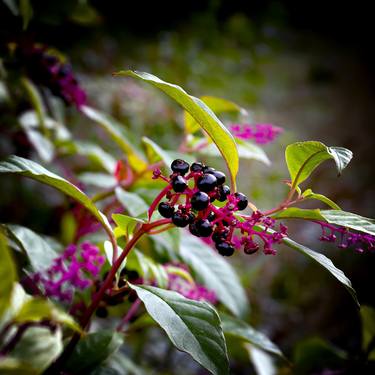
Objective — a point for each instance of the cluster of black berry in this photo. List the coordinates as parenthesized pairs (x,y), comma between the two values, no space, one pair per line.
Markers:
(190,195)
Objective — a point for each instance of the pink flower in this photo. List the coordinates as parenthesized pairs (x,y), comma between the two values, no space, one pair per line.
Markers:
(260,133)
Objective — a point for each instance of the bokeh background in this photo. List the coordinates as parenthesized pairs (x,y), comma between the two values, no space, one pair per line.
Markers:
(305,66)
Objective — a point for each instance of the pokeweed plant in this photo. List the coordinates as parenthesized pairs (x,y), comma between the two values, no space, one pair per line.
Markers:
(58,298)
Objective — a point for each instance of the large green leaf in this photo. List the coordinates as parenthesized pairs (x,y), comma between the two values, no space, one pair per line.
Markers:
(38,348)
(263,363)
(217,105)
(215,273)
(92,350)
(37,249)
(7,274)
(126,223)
(303,157)
(192,326)
(242,330)
(28,168)
(324,262)
(202,114)
(349,220)
(132,202)
(119,134)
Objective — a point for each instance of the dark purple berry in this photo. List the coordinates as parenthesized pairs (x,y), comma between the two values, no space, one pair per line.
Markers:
(222,193)
(191,218)
(211,216)
(180,166)
(242,201)
(165,210)
(220,176)
(224,248)
(193,230)
(204,228)
(207,182)
(101,312)
(220,236)
(179,184)
(207,169)
(180,220)
(200,201)
(196,167)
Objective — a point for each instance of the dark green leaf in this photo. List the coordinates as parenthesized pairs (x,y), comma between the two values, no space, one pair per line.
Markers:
(202,114)
(215,273)
(303,157)
(7,274)
(349,220)
(242,330)
(324,262)
(368,325)
(26,12)
(92,350)
(38,251)
(192,326)
(29,168)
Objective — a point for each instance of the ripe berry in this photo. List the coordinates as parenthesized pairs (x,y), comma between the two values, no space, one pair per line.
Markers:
(165,210)
(200,201)
(251,248)
(180,220)
(211,216)
(204,228)
(242,201)
(101,312)
(180,166)
(179,184)
(220,176)
(193,230)
(222,193)
(224,248)
(196,167)
(207,182)
(207,169)
(191,218)
(220,236)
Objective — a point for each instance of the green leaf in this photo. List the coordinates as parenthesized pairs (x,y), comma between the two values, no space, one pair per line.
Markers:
(119,135)
(324,262)
(100,180)
(26,12)
(368,325)
(217,105)
(147,268)
(263,363)
(38,348)
(12,366)
(192,326)
(37,309)
(349,220)
(202,114)
(309,194)
(7,274)
(92,350)
(132,202)
(37,249)
(299,213)
(303,157)
(215,273)
(126,223)
(242,330)
(28,168)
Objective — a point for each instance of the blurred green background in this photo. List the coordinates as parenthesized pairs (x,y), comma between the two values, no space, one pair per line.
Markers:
(304,66)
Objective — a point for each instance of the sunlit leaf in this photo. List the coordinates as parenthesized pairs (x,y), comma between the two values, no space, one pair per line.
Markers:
(309,194)
(126,223)
(303,157)
(202,114)
(299,213)
(192,326)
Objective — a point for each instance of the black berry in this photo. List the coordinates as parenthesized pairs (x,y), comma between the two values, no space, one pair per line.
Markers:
(165,210)
(220,236)
(211,216)
(196,167)
(207,182)
(191,218)
(180,220)
(207,169)
(193,230)
(222,193)
(224,248)
(200,201)
(220,176)
(242,201)
(180,166)
(101,312)
(204,228)
(179,184)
